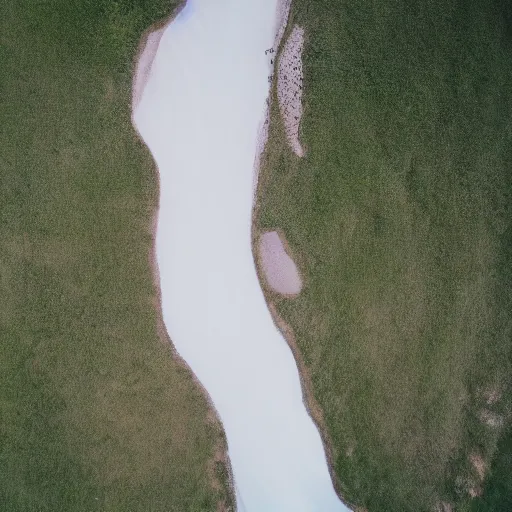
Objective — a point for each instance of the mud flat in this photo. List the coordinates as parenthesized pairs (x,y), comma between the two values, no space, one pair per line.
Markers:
(279,269)
(289,87)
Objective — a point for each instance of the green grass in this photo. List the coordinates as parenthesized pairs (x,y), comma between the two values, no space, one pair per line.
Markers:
(401,212)
(95,411)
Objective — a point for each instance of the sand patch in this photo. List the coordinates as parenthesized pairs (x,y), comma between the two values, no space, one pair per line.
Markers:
(279,269)
(283,11)
(289,87)
(145,60)
(492,395)
(490,418)
(478,463)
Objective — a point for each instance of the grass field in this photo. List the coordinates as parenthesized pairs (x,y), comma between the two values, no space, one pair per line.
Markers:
(401,212)
(96,414)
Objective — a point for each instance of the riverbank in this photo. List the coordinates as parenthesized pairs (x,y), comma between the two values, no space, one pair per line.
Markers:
(398,212)
(273,114)
(97,413)
(219,468)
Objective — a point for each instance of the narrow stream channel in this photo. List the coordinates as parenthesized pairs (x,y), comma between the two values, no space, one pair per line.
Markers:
(199,114)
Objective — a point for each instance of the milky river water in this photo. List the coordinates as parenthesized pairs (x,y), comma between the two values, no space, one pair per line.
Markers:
(199,114)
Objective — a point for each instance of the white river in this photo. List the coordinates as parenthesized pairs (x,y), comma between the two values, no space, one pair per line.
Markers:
(199,114)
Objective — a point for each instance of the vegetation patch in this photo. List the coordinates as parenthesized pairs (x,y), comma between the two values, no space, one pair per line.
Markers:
(97,412)
(401,213)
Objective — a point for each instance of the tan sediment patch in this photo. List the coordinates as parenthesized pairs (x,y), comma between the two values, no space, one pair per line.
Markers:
(220,457)
(475,491)
(490,418)
(474,481)
(289,87)
(282,13)
(145,55)
(110,89)
(295,257)
(467,485)
(349,452)
(313,408)
(492,395)
(144,63)
(278,267)
(478,464)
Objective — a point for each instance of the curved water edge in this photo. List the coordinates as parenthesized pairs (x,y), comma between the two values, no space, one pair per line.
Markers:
(147,49)
(199,114)
(148,46)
